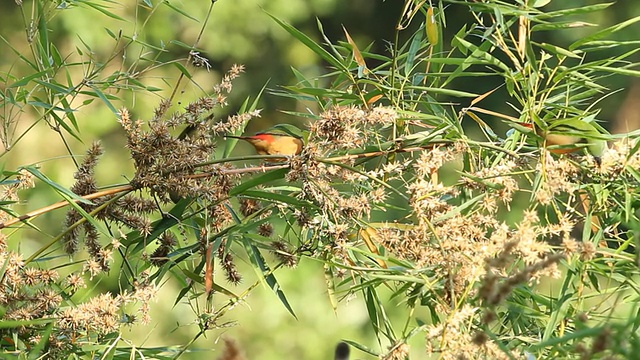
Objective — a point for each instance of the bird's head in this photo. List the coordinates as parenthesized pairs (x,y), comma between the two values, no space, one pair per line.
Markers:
(262,137)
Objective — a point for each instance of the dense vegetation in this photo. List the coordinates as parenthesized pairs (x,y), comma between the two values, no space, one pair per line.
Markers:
(458,188)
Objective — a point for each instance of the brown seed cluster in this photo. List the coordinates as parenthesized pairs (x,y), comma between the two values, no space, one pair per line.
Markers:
(85,184)
(32,294)
(165,162)
(557,180)
(399,351)
(167,241)
(496,287)
(231,351)
(169,166)
(103,314)
(229,267)
(27,293)
(452,340)
(9,193)
(127,211)
(497,177)
(337,208)
(451,231)
(471,252)
(348,127)
(621,155)
(248,206)
(281,250)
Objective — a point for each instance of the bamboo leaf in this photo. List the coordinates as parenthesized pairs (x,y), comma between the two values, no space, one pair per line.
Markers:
(415,45)
(357,56)
(265,195)
(312,45)
(105,100)
(61,189)
(259,180)
(257,260)
(604,33)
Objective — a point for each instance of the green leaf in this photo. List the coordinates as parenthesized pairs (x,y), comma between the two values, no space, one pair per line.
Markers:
(179,11)
(11,324)
(259,180)
(443,91)
(573,11)
(102,9)
(617,70)
(558,50)
(312,45)
(182,69)
(257,260)
(111,34)
(43,36)
(105,100)
(265,195)
(61,189)
(539,3)
(110,349)
(561,26)
(25,80)
(331,285)
(71,198)
(184,45)
(369,299)
(481,55)
(69,113)
(223,290)
(416,43)
(604,33)
(57,89)
(64,125)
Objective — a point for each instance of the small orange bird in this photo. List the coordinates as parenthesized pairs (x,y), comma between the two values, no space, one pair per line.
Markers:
(280,140)
(273,144)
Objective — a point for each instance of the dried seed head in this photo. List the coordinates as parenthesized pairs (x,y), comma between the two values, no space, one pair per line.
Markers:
(282,252)
(265,229)
(248,206)
(231,272)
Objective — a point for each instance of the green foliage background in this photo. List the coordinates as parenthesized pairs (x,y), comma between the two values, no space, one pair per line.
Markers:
(239,31)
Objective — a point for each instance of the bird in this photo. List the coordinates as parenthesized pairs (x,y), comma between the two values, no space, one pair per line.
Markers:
(569,135)
(342,351)
(282,139)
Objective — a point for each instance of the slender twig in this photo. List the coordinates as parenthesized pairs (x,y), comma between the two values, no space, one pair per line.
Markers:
(374,153)
(195,45)
(61,204)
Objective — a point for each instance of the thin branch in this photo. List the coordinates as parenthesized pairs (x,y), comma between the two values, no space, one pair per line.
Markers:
(61,204)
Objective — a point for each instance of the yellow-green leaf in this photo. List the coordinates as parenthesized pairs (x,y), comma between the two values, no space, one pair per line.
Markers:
(432,27)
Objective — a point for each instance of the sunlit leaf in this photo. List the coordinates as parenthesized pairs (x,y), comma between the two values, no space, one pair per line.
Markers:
(357,56)
(432,27)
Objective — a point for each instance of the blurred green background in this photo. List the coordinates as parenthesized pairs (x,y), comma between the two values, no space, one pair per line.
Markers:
(238,31)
